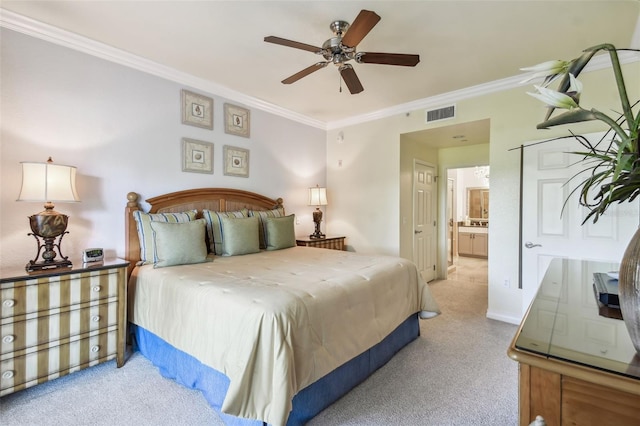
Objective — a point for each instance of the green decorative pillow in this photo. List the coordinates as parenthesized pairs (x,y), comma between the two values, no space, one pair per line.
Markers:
(179,243)
(214,227)
(261,215)
(279,232)
(145,234)
(239,235)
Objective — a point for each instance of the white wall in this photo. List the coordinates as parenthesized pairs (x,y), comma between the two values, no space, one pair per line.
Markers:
(122,129)
(363,186)
(513,116)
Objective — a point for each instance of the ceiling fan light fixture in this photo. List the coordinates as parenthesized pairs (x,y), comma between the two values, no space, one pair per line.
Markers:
(339,59)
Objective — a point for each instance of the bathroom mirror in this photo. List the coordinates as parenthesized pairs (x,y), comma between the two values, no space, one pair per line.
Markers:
(478,203)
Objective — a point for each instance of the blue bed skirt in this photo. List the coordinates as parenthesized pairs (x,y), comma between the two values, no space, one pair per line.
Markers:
(188,371)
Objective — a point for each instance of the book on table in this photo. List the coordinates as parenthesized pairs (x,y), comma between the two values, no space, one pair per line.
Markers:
(606,289)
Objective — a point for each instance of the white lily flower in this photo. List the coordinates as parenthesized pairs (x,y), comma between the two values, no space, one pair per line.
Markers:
(553,98)
(551,69)
(575,85)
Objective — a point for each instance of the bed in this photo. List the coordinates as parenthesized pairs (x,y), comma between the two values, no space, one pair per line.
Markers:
(222,300)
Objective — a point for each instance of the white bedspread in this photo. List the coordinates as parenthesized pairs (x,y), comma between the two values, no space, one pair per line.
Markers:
(275,322)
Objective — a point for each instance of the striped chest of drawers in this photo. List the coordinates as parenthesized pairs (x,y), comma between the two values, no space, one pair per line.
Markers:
(56,322)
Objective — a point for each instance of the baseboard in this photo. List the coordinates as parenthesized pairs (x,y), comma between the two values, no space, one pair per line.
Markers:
(504,318)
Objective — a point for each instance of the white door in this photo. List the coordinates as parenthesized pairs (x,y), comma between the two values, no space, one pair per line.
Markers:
(548,231)
(424,223)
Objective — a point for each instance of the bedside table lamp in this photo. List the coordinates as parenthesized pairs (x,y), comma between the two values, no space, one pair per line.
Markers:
(48,182)
(317,197)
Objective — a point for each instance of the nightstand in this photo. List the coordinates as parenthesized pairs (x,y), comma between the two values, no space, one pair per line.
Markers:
(58,321)
(333,243)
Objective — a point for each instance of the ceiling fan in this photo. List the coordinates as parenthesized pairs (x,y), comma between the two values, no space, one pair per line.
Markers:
(342,48)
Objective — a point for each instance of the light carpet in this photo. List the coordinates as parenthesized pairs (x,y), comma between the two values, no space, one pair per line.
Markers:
(456,373)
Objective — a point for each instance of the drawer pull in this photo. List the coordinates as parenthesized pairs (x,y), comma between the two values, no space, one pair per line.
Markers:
(9,303)
(8,338)
(97,289)
(95,318)
(7,374)
(95,348)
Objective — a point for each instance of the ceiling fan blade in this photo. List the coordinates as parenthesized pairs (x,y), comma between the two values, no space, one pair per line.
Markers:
(305,72)
(291,43)
(388,59)
(351,79)
(360,27)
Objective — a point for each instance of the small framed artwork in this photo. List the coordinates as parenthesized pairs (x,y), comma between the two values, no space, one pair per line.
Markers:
(236,161)
(197,110)
(197,156)
(237,120)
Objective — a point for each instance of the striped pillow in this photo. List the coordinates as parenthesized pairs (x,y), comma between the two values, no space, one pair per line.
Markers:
(262,214)
(214,227)
(145,233)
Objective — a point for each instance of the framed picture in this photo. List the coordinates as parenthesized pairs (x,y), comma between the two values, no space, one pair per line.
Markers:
(197,156)
(197,110)
(236,161)
(237,120)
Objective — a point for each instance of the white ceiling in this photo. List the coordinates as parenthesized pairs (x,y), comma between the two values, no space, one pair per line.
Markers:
(461,43)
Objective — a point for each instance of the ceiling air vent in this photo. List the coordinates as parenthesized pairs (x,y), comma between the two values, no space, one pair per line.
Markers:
(444,113)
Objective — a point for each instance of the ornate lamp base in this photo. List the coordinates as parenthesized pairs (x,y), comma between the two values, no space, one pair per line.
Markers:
(317,235)
(317,218)
(48,227)
(44,265)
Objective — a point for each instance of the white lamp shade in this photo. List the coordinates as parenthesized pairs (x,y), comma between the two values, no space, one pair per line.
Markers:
(48,182)
(317,196)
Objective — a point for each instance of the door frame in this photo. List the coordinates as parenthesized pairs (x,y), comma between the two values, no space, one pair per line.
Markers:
(443,193)
(450,219)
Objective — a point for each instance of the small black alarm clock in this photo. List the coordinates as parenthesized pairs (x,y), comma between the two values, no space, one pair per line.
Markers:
(92,255)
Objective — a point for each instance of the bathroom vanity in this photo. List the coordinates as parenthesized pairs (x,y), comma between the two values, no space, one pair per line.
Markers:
(473,241)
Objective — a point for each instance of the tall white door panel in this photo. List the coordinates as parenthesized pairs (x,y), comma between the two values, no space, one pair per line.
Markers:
(552,228)
(424,214)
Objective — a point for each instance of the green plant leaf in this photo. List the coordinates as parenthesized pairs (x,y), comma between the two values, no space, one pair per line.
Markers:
(612,165)
(572,116)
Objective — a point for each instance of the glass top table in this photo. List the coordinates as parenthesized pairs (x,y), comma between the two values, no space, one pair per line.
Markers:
(565,321)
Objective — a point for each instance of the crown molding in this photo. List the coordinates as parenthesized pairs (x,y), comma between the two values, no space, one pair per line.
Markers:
(597,63)
(46,32)
(49,33)
(428,103)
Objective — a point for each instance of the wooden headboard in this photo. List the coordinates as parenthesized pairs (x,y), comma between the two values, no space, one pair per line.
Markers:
(215,199)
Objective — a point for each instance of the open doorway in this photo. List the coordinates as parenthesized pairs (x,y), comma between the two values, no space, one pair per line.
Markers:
(446,147)
(468,217)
